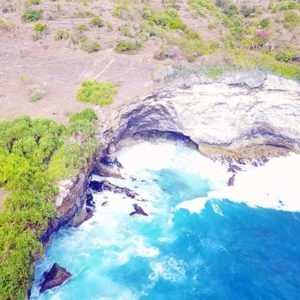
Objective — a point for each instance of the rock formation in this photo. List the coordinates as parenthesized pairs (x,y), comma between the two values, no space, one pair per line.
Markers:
(56,276)
(232,113)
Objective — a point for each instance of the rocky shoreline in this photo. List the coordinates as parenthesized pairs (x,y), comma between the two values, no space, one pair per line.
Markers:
(238,119)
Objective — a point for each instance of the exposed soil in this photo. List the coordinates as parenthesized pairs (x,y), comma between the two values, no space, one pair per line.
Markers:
(58,67)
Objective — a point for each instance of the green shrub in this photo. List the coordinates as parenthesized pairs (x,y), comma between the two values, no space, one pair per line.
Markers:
(231,10)
(32,15)
(128,45)
(90,46)
(87,115)
(191,44)
(121,12)
(40,27)
(36,94)
(81,27)
(284,56)
(166,20)
(97,22)
(127,29)
(39,31)
(99,93)
(247,11)
(284,5)
(35,2)
(202,7)
(264,23)
(61,35)
(291,19)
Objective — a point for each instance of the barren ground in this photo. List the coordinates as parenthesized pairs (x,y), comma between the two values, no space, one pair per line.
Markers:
(58,67)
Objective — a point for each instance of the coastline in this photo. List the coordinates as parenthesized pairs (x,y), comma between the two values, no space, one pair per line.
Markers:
(185,115)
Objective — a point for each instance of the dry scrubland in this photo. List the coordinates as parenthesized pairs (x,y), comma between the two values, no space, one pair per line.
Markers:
(49,47)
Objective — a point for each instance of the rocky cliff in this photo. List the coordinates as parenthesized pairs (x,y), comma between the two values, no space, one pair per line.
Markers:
(70,204)
(247,113)
(240,115)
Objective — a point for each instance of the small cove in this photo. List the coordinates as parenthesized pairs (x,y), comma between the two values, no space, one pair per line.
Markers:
(201,240)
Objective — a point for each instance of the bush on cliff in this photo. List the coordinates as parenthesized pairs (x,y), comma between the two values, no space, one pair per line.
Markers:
(28,151)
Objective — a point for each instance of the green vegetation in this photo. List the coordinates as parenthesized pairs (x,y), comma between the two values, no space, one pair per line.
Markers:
(264,61)
(284,56)
(128,45)
(121,12)
(284,5)
(100,93)
(33,154)
(32,15)
(128,30)
(61,35)
(247,11)
(81,27)
(38,31)
(248,42)
(171,28)
(291,19)
(78,147)
(97,22)
(89,46)
(36,94)
(35,2)
(264,23)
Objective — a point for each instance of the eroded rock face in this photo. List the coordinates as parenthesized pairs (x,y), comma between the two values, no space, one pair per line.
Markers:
(70,205)
(104,185)
(56,276)
(236,111)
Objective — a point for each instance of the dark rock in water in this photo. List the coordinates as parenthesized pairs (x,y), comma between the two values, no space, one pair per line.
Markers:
(55,277)
(104,185)
(234,168)
(231,180)
(89,213)
(110,161)
(108,167)
(138,211)
(104,203)
(89,201)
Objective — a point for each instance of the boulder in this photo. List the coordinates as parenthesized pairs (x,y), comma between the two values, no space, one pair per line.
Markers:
(231,180)
(138,211)
(234,168)
(56,276)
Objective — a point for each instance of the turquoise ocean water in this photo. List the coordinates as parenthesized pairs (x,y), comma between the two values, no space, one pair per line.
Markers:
(201,240)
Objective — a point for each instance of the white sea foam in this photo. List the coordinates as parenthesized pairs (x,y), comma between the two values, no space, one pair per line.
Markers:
(145,155)
(194,206)
(168,268)
(275,185)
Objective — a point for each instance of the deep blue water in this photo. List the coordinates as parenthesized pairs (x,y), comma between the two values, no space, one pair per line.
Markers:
(226,251)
